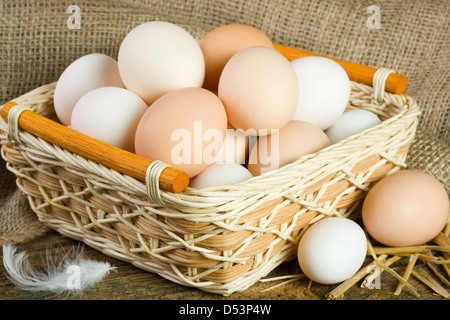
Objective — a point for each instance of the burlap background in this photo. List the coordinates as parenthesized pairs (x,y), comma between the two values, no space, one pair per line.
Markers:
(36,46)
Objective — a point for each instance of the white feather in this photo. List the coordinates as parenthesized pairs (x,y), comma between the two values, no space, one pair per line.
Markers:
(72,274)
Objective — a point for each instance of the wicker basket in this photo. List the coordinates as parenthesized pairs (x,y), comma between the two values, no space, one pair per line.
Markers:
(221,239)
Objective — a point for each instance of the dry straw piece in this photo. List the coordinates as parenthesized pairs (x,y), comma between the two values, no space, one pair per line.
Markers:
(382,262)
(219,239)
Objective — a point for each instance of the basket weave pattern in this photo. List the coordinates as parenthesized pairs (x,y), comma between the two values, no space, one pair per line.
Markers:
(220,239)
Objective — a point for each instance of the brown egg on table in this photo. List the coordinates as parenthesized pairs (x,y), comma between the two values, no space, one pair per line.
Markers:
(406,208)
(294,140)
(221,43)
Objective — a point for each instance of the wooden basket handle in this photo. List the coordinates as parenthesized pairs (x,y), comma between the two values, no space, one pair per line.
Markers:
(170,179)
(395,83)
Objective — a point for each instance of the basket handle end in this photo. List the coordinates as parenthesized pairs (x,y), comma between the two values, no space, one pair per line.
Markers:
(174,180)
(171,179)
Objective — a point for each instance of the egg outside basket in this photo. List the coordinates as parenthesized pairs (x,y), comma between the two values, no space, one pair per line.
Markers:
(221,239)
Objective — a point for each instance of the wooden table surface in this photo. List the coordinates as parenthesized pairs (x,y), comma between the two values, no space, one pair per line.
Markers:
(131,283)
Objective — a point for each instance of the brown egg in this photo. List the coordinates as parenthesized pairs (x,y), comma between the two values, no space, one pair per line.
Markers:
(296,139)
(406,208)
(259,90)
(220,44)
(184,128)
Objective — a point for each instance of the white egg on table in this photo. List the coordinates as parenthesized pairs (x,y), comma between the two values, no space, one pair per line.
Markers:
(88,72)
(351,122)
(324,90)
(332,250)
(219,174)
(109,114)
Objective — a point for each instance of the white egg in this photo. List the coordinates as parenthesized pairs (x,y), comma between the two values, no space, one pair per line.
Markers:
(351,122)
(219,174)
(332,250)
(81,76)
(109,114)
(157,57)
(324,90)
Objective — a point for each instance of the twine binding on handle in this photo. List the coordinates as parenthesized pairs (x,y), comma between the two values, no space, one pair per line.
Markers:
(13,122)
(152,181)
(379,83)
